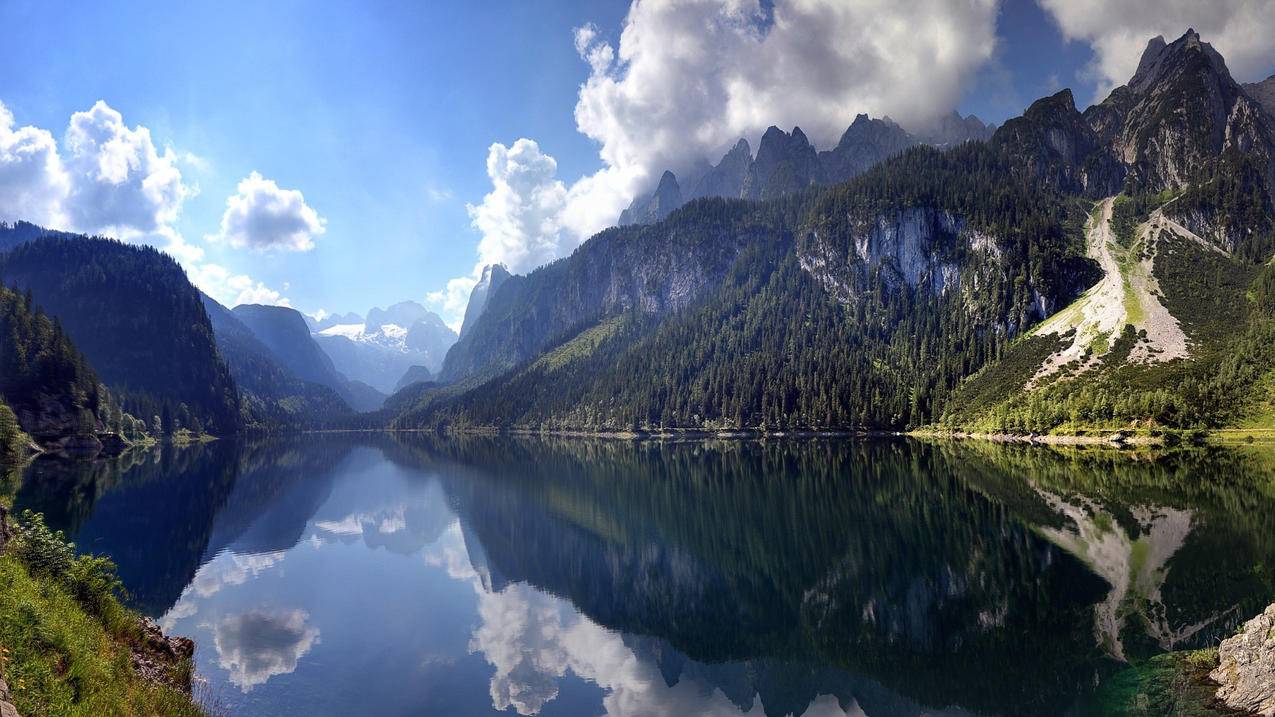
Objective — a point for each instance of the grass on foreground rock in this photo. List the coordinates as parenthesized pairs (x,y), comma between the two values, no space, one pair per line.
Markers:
(66,642)
(1175,683)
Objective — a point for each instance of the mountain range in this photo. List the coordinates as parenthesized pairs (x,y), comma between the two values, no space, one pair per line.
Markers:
(788,162)
(380,349)
(1104,267)
(1107,267)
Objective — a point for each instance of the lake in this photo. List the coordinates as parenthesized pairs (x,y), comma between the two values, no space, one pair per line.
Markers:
(379,574)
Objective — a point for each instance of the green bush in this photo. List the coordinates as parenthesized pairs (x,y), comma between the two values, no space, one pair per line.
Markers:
(12,439)
(45,552)
(90,579)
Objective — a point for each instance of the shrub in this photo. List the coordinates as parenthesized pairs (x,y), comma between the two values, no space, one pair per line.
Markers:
(90,579)
(45,552)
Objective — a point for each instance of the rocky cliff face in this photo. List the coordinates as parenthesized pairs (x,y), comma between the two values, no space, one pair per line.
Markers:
(1052,142)
(493,276)
(863,145)
(1179,113)
(910,247)
(1264,93)
(652,270)
(1246,669)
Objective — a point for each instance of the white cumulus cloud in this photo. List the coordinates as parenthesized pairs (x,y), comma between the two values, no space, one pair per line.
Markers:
(121,184)
(451,300)
(107,178)
(1118,31)
(257,645)
(231,289)
(262,215)
(33,181)
(520,219)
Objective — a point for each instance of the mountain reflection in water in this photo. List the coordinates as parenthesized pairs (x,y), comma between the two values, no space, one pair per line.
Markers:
(412,574)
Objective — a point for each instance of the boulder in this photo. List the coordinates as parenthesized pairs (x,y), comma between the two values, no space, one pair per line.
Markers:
(1246,669)
(6,708)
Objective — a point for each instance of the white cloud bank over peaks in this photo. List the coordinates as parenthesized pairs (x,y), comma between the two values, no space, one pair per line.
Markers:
(521,218)
(263,216)
(689,77)
(1118,31)
(109,179)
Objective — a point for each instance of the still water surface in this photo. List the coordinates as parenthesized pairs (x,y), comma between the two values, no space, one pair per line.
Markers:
(404,575)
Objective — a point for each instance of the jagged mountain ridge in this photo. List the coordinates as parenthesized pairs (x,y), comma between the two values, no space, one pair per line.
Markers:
(378,350)
(935,255)
(1180,115)
(787,162)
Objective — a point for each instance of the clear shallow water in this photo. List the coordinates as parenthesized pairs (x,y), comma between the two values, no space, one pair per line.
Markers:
(379,575)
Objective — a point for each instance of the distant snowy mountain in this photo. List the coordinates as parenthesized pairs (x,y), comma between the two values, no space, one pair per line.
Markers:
(381,349)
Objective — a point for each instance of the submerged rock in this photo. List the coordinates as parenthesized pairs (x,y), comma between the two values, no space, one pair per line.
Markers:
(1246,671)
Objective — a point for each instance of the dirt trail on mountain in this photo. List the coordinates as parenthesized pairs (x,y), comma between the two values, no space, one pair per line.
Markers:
(1127,294)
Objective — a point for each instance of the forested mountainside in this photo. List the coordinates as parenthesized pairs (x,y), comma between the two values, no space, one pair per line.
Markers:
(415,374)
(872,304)
(54,394)
(283,331)
(787,162)
(860,305)
(139,322)
(17,233)
(272,394)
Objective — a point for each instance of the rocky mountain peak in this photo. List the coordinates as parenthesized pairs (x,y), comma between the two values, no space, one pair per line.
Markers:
(952,129)
(865,143)
(493,276)
(668,182)
(1062,101)
(1264,93)
(1149,56)
(648,209)
(1179,114)
(1052,142)
(1160,61)
(727,177)
(785,163)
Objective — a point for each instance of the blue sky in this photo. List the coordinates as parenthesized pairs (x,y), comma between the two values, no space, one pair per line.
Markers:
(382,114)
